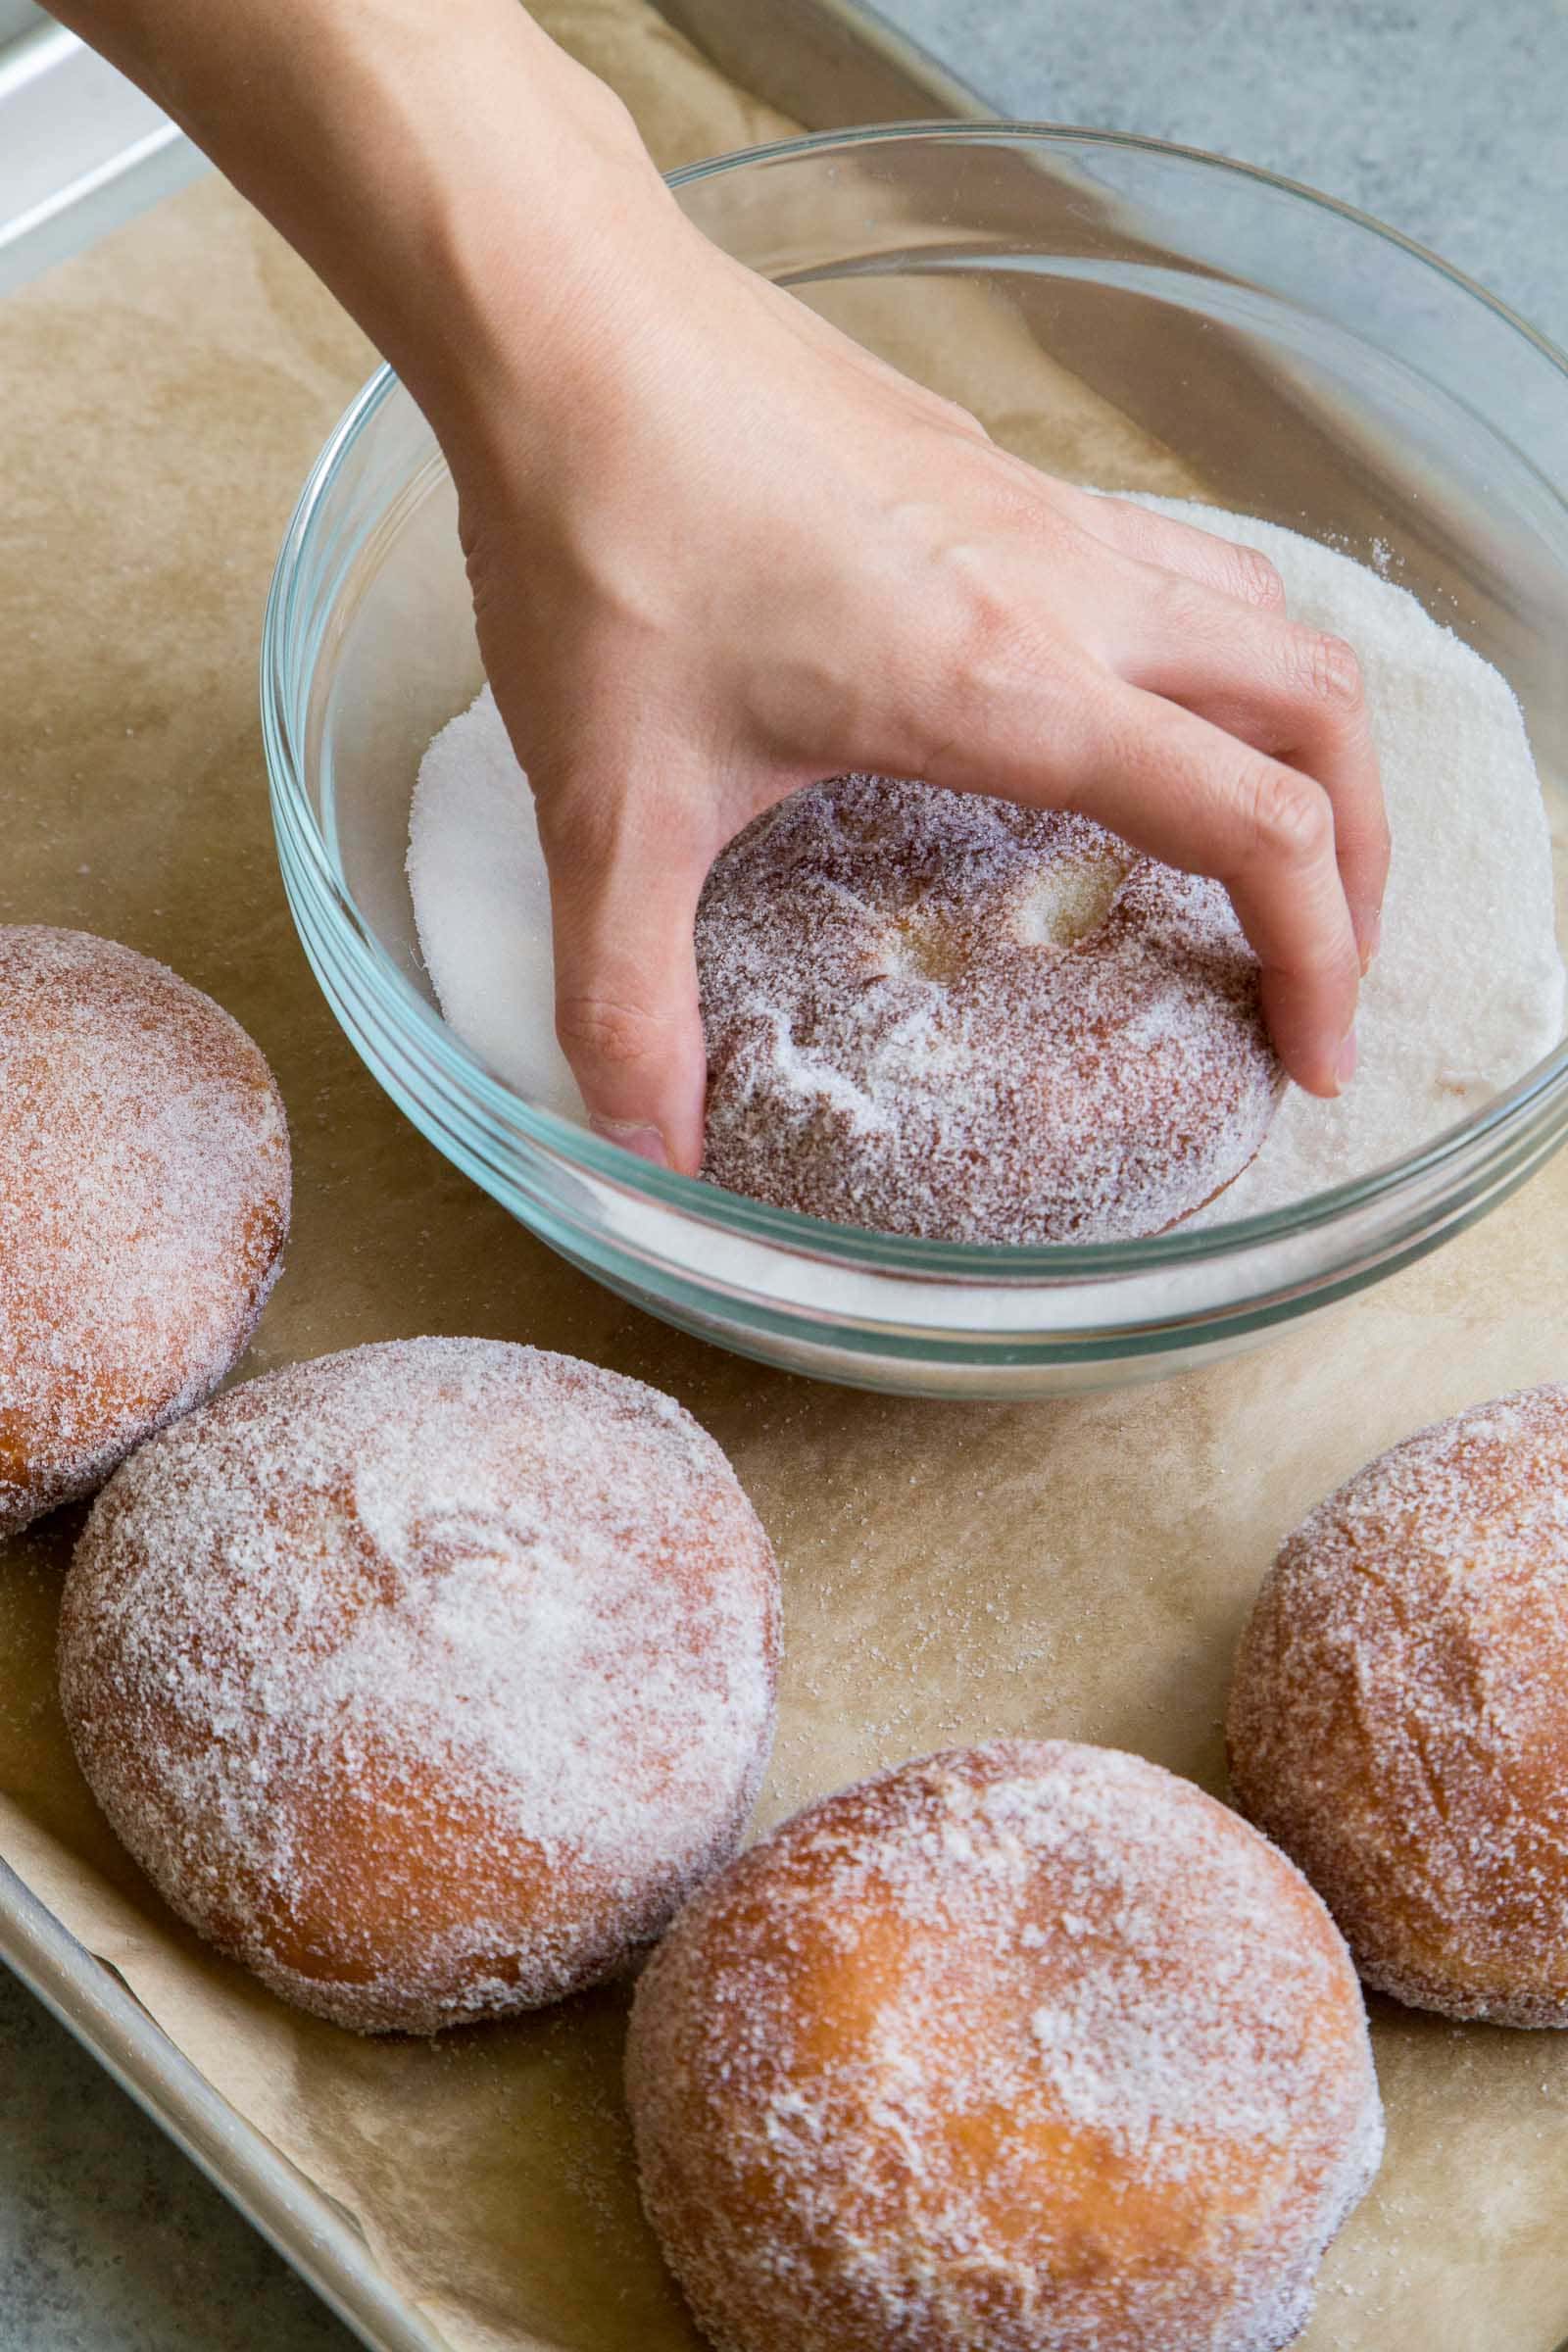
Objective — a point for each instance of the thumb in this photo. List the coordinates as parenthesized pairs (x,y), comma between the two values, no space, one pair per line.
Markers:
(624,881)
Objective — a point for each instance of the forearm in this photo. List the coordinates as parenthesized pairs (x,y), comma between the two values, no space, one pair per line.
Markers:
(442,165)
(718,551)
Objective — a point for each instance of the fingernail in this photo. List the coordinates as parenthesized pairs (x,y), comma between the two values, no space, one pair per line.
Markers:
(1345,1067)
(633,1134)
(1370,930)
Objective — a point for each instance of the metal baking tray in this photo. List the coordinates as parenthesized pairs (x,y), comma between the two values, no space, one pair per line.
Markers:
(828,62)
(92,2002)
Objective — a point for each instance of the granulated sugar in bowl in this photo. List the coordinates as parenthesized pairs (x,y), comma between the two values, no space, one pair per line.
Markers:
(1471,892)
(1121,313)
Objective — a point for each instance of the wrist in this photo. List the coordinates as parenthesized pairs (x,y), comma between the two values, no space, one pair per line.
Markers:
(542,284)
(509,186)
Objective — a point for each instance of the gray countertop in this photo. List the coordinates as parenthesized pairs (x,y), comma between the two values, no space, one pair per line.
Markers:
(1448,121)
(110,2241)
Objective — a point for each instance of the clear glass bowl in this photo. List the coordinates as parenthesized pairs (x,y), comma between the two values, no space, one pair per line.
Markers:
(1291,357)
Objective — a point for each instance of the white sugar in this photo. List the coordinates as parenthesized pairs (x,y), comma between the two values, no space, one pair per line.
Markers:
(1467,994)
(482,904)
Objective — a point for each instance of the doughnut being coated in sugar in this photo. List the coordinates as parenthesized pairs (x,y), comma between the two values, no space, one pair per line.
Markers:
(1399,1720)
(1029,2047)
(426,1678)
(937,1015)
(144,1201)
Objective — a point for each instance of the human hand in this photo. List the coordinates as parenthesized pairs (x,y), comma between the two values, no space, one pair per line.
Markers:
(757,555)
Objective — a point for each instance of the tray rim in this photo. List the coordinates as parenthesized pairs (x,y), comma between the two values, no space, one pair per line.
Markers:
(93,2003)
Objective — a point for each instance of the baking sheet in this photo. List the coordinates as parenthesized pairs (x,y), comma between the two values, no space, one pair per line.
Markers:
(1073,1569)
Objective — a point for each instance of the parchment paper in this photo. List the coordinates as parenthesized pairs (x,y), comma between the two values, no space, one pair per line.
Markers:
(1075,1569)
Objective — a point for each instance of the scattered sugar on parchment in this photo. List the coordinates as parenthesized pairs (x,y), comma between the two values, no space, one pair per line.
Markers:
(1467,994)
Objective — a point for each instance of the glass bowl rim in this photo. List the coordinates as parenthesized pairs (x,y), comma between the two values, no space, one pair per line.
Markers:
(461,1070)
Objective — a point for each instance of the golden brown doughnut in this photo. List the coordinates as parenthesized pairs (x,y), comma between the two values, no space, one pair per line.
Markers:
(1029,2047)
(1398,1719)
(937,1015)
(144,1199)
(426,1678)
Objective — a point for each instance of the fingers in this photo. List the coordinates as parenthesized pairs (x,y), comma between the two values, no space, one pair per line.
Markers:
(1291,691)
(1171,784)
(1222,565)
(625,878)
(1208,628)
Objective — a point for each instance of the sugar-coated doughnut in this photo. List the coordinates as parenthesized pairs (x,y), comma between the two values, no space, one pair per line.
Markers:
(144,1200)
(425,1678)
(1399,1720)
(1028,2047)
(943,1015)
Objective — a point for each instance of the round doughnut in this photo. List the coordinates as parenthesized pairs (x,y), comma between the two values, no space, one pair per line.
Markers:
(1028,2045)
(937,1015)
(144,1199)
(426,1678)
(1398,1721)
